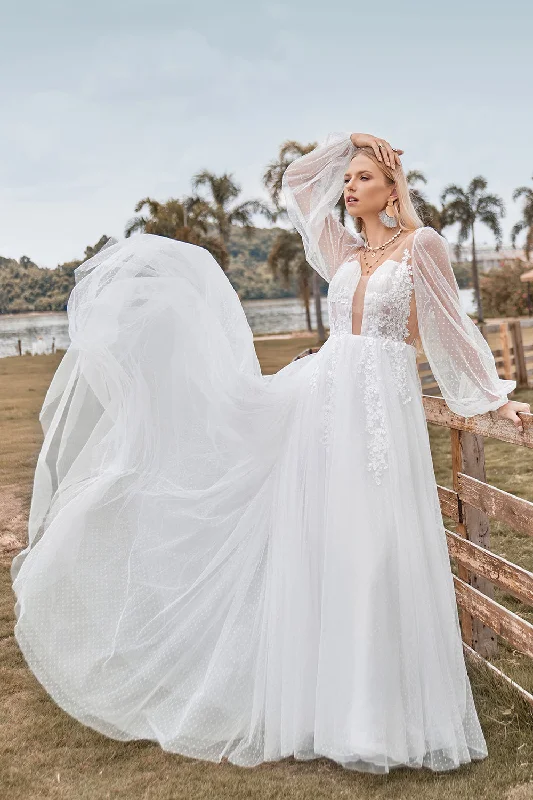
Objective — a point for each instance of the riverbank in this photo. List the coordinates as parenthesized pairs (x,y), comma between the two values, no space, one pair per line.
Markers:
(281,317)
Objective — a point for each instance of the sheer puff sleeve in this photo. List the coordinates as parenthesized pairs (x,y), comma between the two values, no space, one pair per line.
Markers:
(460,358)
(312,185)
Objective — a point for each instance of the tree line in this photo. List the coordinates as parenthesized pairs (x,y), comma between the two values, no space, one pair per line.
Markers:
(214,210)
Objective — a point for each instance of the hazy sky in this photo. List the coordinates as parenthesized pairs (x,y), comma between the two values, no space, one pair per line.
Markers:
(108,101)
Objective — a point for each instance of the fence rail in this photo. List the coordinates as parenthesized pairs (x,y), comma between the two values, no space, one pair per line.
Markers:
(471,503)
(513,359)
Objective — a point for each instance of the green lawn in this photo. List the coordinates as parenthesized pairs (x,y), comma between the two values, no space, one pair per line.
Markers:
(46,754)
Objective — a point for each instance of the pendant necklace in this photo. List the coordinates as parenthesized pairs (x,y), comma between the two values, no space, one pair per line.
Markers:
(374,252)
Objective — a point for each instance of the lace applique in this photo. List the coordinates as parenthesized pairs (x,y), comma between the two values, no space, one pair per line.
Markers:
(398,329)
(385,325)
(386,311)
(313,381)
(327,410)
(386,316)
(340,297)
(375,418)
(340,310)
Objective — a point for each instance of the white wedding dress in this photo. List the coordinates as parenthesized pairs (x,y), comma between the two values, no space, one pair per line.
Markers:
(247,566)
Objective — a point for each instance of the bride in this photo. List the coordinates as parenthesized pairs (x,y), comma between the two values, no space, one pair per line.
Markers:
(252,567)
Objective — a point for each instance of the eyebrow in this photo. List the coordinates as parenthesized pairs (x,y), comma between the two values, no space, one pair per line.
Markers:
(359,172)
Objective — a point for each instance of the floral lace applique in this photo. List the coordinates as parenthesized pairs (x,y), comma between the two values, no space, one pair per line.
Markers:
(385,318)
(385,325)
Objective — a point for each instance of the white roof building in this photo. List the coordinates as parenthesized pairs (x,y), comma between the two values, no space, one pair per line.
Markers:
(487,256)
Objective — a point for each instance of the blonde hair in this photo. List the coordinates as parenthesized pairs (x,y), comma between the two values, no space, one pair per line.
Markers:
(406,213)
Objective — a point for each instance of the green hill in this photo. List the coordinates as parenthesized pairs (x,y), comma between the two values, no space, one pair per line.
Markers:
(24,286)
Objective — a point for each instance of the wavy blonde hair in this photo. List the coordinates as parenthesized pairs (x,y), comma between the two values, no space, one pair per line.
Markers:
(406,212)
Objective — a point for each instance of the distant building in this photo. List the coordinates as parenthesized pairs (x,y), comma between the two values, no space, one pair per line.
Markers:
(487,256)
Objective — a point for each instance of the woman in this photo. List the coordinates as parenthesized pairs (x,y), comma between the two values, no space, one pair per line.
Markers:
(252,567)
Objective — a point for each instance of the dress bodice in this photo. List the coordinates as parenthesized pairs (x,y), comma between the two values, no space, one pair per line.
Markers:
(380,305)
(383,307)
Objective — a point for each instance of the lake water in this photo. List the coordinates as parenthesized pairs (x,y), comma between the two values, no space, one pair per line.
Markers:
(264,316)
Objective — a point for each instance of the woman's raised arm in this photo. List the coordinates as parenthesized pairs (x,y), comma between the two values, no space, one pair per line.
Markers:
(312,185)
(459,357)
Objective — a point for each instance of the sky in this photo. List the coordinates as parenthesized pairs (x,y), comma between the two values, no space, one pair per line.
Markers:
(109,101)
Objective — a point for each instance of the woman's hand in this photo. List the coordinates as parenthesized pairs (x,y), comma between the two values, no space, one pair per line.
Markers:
(508,411)
(381,148)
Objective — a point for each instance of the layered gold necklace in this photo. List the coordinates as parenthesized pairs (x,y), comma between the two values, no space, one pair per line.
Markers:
(374,253)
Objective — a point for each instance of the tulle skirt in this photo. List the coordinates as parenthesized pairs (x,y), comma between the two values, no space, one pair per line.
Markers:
(213,561)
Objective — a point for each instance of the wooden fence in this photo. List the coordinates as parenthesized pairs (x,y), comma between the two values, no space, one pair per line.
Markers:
(473,502)
(513,358)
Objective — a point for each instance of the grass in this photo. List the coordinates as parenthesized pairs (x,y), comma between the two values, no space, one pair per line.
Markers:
(44,753)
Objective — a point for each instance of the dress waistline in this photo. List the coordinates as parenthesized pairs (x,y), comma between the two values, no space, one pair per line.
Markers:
(366,336)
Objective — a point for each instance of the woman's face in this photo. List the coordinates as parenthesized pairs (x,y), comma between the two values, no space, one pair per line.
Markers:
(366,190)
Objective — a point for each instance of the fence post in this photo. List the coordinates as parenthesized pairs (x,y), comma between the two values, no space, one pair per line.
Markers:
(468,456)
(519,356)
(19,346)
(507,369)
(463,573)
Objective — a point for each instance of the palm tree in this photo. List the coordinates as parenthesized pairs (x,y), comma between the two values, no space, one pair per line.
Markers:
(526,223)
(92,249)
(428,213)
(468,207)
(222,189)
(186,220)
(287,260)
(288,253)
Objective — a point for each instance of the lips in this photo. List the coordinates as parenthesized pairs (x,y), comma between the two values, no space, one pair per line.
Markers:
(350,200)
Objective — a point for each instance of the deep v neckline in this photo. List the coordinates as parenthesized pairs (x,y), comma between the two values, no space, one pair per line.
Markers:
(371,274)
(406,255)
(388,260)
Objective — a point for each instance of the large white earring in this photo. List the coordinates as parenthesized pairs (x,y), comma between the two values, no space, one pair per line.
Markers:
(387,216)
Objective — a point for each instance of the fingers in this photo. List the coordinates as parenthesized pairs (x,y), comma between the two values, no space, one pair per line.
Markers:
(398,153)
(376,150)
(518,424)
(518,420)
(384,149)
(522,407)
(385,153)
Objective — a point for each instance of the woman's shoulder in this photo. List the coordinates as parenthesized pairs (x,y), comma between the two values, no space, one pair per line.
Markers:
(427,232)
(425,235)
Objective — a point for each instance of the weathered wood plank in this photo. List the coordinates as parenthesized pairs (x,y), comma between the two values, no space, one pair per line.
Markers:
(503,506)
(476,658)
(515,630)
(449,502)
(476,522)
(518,346)
(507,369)
(467,620)
(498,570)
(489,424)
